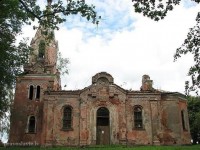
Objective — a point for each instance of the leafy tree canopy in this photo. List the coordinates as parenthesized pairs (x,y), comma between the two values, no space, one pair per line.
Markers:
(16,13)
(157,10)
(194,117)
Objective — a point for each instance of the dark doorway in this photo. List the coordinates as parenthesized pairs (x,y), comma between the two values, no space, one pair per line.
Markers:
(103,128)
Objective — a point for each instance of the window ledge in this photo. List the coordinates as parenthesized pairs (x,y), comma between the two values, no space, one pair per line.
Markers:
(139,129)
(67,129)
(30,132)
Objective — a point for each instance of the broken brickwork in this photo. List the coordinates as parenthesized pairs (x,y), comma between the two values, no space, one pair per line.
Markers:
(102,113)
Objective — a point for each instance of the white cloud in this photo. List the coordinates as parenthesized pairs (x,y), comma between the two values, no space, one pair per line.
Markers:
(127,45)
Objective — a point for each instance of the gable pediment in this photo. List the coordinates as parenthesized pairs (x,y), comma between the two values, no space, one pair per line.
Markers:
(103,91)
(37,68)
(103,87)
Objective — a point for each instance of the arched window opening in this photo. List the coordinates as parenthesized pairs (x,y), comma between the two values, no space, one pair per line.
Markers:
(31,90)
(138,117)
(102,117)
(183,120)
(38,92)
(67,118)
(42,46)
(31,124)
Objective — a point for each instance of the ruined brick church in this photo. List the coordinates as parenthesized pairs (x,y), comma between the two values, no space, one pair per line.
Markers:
(100,114)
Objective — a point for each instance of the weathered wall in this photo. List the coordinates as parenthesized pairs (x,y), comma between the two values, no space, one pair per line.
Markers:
(148,102)
(185,133)
(53,117)
(24,107)
(171,123)
(113,99)
(161,114)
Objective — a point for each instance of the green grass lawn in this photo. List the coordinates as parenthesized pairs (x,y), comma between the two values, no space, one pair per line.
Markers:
(114,147)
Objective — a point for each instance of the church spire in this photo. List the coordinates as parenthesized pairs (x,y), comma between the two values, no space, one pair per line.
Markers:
(43,57)
(44,52)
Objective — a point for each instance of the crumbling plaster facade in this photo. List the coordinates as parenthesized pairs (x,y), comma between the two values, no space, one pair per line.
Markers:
(102,113)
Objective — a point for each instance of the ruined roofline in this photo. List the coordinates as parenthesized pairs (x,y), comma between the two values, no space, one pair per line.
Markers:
(63,92)
(155,92)
(128,92)
(108,80)
(174,93)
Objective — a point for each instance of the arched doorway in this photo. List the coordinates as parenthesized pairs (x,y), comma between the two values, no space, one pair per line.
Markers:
(103,128)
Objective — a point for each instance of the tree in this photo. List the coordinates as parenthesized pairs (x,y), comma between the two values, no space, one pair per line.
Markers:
(16,13)
(194,117)
(157,10)
(5,117)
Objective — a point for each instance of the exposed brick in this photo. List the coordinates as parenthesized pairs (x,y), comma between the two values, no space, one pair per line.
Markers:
(161,111)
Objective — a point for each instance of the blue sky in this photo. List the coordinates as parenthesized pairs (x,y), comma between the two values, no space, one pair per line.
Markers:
(114,17)
(126,45)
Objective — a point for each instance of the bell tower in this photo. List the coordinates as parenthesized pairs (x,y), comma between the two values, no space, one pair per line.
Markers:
(40,75)
(43,57)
